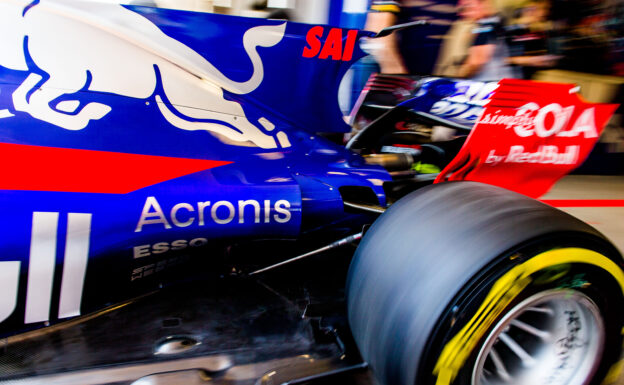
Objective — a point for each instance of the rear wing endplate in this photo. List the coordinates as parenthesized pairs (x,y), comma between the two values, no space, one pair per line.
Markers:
(529,135)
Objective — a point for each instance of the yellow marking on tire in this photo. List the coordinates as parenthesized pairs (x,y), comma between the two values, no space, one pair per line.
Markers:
(614,373)
(505,289)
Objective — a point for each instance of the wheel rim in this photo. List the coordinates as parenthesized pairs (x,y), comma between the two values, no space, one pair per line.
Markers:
(554,337)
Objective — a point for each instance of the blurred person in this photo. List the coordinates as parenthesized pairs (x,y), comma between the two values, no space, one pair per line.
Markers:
(271,13)
(475,49)
(586,47)
(385,50)
(454,49)
(487,57)
(530,39)
(615,26)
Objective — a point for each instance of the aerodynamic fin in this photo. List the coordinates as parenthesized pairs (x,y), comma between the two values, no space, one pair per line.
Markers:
(529,135)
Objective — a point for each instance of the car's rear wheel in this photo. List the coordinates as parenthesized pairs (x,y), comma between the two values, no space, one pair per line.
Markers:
(464,283)
(558,330)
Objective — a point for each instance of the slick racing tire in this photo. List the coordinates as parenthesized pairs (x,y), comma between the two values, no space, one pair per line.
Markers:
(466,283)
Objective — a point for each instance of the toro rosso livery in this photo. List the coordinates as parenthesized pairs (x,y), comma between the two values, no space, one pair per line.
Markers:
(202,155)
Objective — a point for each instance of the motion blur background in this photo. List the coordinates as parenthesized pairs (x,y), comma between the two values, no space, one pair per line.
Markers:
(573,41)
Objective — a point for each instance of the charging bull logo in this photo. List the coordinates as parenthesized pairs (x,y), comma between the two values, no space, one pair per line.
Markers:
(107,48)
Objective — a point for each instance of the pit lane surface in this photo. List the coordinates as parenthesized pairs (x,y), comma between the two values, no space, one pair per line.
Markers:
(597,200)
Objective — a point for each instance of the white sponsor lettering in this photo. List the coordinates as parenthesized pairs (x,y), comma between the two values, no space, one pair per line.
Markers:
(229,209)
(471,92)
(586,124)
(547,121)
(282,206)
(152,209)
(200,209)
(267,211)
(9,279)
(75,264)
(149,269)
(543,155)
(163,247)
(492,158)
(141,251)
(175,219)
(241,210)
(41,267)
(221,212)
(467,102)
(560,117)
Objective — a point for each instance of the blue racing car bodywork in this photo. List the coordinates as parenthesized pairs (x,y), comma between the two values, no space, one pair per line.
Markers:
(111,162)
(134,139)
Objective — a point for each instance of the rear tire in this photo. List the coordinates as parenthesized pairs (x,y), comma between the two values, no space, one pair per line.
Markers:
(444,272)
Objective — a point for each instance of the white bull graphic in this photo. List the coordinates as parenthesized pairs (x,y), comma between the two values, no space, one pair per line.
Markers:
(108,48)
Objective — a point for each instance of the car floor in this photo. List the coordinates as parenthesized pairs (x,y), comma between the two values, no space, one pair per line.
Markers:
(597,200)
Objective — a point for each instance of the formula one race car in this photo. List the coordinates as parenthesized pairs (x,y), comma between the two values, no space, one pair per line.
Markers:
(176,210)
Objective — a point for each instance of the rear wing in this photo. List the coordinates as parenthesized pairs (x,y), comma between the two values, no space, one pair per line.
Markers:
(529,135)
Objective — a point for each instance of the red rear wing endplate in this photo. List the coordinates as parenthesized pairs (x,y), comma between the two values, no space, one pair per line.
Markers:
(529,135)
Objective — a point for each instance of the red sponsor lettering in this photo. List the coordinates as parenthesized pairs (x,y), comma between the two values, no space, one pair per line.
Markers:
(332,46)
(349,45)
(313,40)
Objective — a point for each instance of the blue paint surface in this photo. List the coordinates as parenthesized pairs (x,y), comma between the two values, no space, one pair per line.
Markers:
(298,95)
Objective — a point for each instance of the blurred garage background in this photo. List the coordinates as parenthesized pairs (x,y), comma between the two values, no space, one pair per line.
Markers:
(574,41)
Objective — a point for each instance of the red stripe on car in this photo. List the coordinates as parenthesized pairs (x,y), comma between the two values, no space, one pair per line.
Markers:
(38,168)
